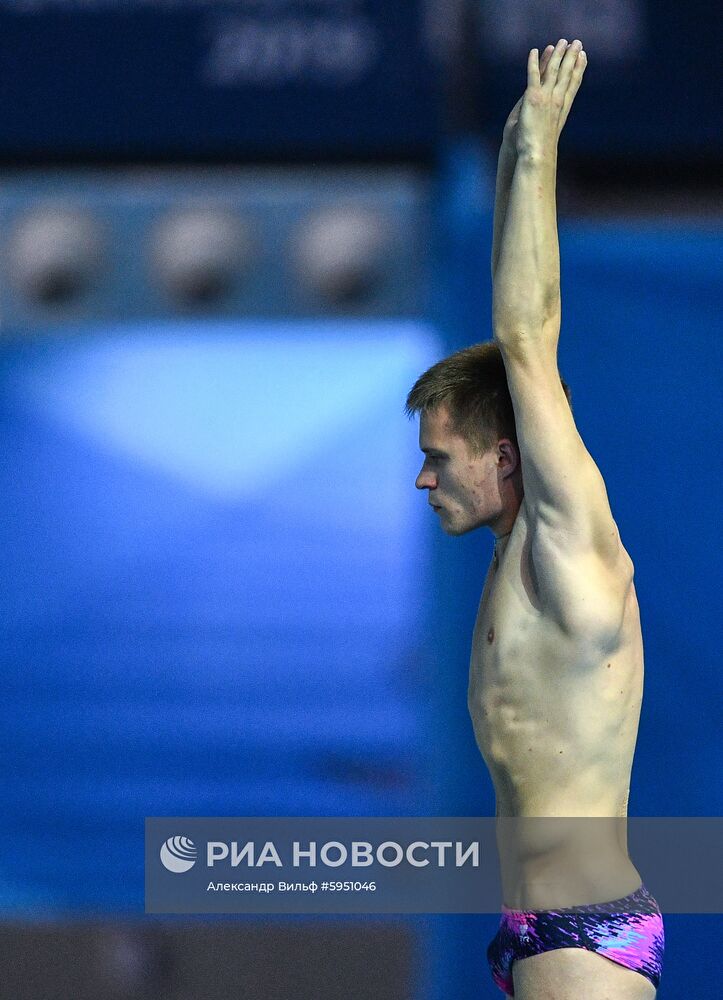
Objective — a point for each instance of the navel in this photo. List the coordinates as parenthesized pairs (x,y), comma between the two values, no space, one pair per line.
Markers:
(491,634)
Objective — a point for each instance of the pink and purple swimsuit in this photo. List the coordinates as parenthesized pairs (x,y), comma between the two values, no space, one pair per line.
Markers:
(628,931)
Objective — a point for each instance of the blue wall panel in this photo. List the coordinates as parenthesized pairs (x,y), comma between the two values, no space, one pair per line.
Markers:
(212,573)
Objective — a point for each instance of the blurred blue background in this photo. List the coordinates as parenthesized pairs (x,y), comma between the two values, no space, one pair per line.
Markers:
(226,253)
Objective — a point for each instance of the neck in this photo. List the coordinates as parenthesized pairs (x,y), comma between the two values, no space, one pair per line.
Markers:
(501,542)
(502,526)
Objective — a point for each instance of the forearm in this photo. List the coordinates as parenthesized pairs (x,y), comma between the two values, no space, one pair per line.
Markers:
(526,283)
(505,172)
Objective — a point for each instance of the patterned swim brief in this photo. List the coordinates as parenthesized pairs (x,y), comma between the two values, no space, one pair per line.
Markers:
(628,931)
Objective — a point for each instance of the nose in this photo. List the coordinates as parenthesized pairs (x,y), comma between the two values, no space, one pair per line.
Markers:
(426,480)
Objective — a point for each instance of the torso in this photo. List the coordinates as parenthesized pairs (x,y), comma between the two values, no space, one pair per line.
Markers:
(555,715)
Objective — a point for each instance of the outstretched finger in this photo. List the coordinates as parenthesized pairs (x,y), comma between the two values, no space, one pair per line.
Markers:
(533,69)
(569,61)
(554,63)
(544,60)
(574,85)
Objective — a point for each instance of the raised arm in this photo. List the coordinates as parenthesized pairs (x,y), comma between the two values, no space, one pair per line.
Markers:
(526,287)
(580,563)
(506,162)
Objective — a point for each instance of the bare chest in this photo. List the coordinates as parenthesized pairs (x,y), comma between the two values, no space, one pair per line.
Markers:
(543,701)
(523,666)
(510,622)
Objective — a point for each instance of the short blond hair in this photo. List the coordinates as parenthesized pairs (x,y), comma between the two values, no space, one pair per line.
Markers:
(472,383)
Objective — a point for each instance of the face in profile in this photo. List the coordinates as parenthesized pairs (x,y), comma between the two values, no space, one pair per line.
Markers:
(465,489)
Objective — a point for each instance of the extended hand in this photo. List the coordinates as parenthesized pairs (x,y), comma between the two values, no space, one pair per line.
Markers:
(509,134)
(552,85)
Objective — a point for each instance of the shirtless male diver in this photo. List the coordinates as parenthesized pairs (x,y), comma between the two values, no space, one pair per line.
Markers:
(556,670)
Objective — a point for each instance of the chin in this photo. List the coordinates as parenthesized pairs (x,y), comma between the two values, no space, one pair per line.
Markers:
(455,530)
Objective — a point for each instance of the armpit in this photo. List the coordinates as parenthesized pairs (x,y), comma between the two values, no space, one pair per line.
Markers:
(584,591)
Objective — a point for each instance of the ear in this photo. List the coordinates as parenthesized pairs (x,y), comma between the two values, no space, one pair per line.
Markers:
(508,457)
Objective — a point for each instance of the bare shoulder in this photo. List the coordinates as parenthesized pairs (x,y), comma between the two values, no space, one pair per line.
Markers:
(582,570)
(584,592)
(563,485)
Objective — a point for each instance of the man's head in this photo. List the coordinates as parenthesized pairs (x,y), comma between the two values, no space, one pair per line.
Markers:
(467,432)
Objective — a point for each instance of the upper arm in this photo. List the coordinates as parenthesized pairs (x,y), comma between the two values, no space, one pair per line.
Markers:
(575,541)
